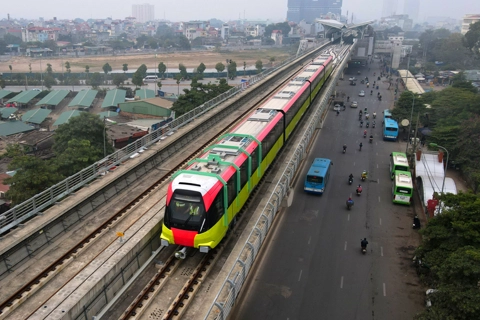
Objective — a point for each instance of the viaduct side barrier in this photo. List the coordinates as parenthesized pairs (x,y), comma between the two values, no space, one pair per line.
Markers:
(21,249)
(242,264)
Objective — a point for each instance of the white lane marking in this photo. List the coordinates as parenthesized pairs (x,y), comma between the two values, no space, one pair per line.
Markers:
(377,154)
(309,239)
(378,181)
(381,251)
(384,290)
(345,247)
(354,164)
(377,165)
(378,198)
(300,275)
(348,217)
(380,221)
(341,282)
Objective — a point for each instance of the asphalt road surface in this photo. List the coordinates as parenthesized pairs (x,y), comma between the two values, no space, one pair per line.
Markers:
(313,267)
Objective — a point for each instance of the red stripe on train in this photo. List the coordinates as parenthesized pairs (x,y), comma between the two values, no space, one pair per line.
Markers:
(184,237)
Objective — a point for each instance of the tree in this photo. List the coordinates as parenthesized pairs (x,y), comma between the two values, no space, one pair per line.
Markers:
(183,71)
(472,38)
(67,66)
(142,70)
(137,79)
(79,154)
(106,69)
(244,67)
(10,67)
(282,26)
(30,67)
(86,126)
(178,78)
(2,83)
(201,68)
(272,60)
(49,81)
(119,79)
(3,46)
(125,67)
(159,85)
(259,66)
(11,39)
(161,69)
(232,69)
(50,44)
(219,67)
(183,42)
(49,68)
(33,176)
(95,80)
(87,70)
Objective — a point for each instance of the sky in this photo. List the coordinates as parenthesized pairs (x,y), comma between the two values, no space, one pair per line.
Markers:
(184,10)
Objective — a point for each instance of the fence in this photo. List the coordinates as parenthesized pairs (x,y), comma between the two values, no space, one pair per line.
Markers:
(225,299)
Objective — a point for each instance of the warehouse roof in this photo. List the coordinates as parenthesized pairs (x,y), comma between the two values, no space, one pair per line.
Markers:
(84,98)
(53,98)
(64,117)
(6,112)
(113,98)
(107,114)
(4,93)
(145,93)
(8,128)
(36,116)
(25,96)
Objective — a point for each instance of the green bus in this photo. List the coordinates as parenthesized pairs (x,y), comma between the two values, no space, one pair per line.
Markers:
(398,162)
(402,188)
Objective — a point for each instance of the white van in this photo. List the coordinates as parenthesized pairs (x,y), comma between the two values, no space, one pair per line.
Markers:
(150,79)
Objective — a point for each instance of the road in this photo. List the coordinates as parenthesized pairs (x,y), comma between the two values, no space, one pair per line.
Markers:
(313,267)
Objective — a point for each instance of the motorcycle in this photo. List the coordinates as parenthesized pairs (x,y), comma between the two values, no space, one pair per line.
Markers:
(374,115)
(350,180)
(373,125)
(367,125)
(358,191)
(349,204)
(344,149)
(364,135)
(364,249)
(361,124)
(364,176)
(371,139)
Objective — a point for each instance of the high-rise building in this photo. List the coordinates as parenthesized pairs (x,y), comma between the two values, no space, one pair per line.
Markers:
(309,10)
(389,8)
(143,12)
(468,19)
(411,7)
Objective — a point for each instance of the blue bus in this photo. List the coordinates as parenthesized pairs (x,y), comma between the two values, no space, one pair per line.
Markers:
(390,130)
(317,176)
(387,114)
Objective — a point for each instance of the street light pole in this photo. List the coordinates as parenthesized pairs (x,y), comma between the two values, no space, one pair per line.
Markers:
(444,172)
(104,144)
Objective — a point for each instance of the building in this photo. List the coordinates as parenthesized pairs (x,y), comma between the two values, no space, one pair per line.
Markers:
(309,10)
(468,19)
(225,31)
(411,8)
(389,8)
(143,12)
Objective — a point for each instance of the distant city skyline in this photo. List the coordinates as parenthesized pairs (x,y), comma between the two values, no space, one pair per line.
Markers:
(184,10)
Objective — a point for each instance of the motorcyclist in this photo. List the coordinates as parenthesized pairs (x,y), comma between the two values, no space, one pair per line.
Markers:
(350,176)
(367,116)
(344,148)
(378,94)
(360,113)
(367,125)
(365,133)
(348,98)
(364,174)
(359,189)
(373,124)
(371,138)
(364,243)
(350,202)
(338,112)
(371,92)
(374,115)
(361,145)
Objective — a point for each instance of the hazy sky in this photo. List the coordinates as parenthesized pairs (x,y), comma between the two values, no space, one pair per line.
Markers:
(178,10)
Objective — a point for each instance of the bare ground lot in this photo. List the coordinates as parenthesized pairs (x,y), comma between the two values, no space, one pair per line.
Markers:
(172,60)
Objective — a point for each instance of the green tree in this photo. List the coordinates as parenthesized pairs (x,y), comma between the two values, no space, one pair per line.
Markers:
(106,69)
(49,68)
(137,79)
(178,78)
(183,71)
(219,67)
(30,67)
(87,70)
(472,38)
(95,80)
(79,154)
(50,44)
(125,67)
(283,26)
(161,69)
(201,68)
(272,60)
(119,79)
(49,81)
(244,67)
(86,126)
(259,66)
(33,176)
(142,70)
(3,46)
(232,69)
(10,67)
(67,66)
(2,83)
(159,85)
(11,39)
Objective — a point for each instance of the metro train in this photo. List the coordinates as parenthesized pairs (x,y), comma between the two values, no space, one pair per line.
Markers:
(203,200)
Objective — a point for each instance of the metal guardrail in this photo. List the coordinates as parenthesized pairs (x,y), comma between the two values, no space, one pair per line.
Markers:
(225,299)
(49,197)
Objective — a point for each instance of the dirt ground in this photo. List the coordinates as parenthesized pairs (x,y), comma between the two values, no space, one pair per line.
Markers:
(172,60)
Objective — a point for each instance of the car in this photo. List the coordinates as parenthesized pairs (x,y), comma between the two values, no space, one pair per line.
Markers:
(352,79)
(362,93)
(36,89)
(354,104)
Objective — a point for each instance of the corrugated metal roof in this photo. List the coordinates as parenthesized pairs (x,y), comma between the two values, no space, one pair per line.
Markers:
(25,96)
(84,98)
(64,117)
(36,116)
(145,93)
(6,112)
(113,98)
(108,114)
(4,93)
(53,98)
(13,127)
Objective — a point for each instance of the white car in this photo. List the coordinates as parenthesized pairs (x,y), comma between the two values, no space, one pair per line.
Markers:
(352,79)
(362,93)
(337,107)
(354,104)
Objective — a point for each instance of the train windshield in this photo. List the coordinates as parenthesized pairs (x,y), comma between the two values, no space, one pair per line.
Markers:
(186,212)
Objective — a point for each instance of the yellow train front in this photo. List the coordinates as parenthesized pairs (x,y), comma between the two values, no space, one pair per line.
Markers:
(203,200)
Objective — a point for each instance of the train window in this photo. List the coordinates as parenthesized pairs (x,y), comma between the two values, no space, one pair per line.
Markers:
(232,189)
(254,156)
(216,210)
(243,173)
